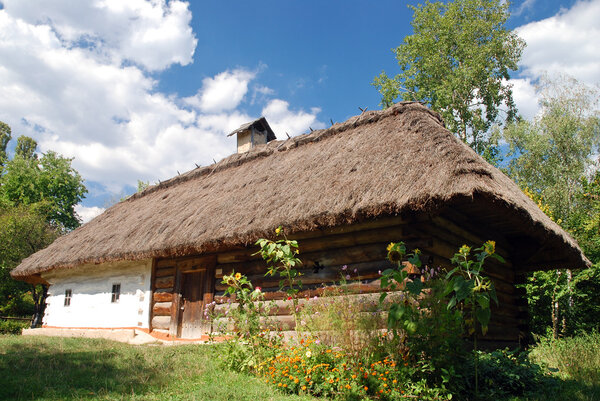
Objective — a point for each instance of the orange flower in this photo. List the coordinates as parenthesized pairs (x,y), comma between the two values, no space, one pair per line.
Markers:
(366,388)
(303,388)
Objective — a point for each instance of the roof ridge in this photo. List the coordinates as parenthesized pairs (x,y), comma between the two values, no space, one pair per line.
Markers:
(236,159)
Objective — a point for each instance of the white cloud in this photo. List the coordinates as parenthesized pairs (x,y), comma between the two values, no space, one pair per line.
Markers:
(88,213)
(153,34)
(283,120)
(525,97)
(566,43)
(67,80)
(222,92)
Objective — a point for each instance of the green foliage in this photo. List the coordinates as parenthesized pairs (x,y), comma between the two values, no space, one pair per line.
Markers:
(5,137)
(576,358)
(23,230)
(249,343)
(282,258)
(458,61)
(26,147)
(551,159)
(317,369)
(551,155)
(49,182)
(344,319)
(13,326)
(508,373)
(469,289)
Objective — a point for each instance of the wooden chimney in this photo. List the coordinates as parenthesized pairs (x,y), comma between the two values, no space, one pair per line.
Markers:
(254,133)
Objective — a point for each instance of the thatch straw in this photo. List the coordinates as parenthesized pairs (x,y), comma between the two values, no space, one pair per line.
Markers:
(378,163)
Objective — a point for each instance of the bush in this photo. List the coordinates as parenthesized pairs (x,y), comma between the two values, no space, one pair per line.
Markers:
(505,373)
(13,326)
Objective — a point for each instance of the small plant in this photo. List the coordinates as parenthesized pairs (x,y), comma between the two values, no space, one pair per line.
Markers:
(282,258)
(472,292)
(250,316)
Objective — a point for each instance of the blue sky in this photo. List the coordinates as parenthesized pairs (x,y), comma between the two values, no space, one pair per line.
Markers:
(142,89)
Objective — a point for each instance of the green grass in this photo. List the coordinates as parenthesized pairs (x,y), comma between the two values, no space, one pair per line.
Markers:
(43,368)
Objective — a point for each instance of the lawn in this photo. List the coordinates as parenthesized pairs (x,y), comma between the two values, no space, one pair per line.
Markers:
(43,368)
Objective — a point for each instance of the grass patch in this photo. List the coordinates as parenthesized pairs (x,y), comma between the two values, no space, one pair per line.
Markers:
(44,368)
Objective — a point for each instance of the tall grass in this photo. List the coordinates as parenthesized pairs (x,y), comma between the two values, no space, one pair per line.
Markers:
(574,358)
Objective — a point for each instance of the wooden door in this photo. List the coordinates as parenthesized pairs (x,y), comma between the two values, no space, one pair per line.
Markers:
(196,291)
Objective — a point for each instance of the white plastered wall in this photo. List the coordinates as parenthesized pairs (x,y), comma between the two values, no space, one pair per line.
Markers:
(91,287)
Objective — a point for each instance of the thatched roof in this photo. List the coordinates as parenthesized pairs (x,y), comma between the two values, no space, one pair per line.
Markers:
(379,163)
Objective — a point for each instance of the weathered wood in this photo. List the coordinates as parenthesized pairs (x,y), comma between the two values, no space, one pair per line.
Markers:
(152,278)
(315,243)
(443,223)
(161,322)
(165,263)
(162,309)
(176,305)
(162,297)
(164,282)
(169,271)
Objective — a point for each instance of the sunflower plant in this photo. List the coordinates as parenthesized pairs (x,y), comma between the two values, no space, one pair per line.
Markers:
(281,256)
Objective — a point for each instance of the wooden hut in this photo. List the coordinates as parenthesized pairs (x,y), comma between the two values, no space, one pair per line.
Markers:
(155,259)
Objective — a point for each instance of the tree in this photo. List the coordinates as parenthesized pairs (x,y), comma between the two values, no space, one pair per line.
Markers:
(26,147)
(551,158)
(49,181)
(551,155)
(23,231)
(37,200)
(4,139)
(457,61)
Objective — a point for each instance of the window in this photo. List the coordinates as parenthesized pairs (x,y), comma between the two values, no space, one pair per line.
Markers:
(68,294)
(116,292)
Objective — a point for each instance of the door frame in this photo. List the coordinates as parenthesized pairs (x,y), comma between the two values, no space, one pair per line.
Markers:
(190,265)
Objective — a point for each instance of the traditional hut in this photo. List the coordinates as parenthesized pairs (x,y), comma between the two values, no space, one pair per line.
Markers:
(155,259)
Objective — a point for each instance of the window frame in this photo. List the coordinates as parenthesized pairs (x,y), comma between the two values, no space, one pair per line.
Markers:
(115,293)
(68,297)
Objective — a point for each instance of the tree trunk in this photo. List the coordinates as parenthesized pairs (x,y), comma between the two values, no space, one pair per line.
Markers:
(39,293)
(555,307)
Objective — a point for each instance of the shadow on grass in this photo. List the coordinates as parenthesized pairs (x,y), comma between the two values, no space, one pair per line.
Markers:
(66,369)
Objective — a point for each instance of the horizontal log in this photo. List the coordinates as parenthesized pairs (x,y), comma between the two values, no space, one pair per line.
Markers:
(161,322)
(164,282)
(162,297)
(165,263)
(169,271)
(162,309)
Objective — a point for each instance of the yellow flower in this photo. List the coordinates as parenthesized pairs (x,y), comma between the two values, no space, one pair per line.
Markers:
(464,250)
(238,276)
(278,230)
(489,247)
(303,388)
(390,246)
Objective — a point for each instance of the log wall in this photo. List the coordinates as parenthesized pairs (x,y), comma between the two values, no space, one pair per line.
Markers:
(362,248)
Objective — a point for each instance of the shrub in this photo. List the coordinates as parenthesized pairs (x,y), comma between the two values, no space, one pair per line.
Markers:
(13,326)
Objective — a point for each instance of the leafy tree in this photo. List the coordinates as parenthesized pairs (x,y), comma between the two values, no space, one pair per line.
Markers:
(23,231)
(4,139)
(26,147)
(551,157)
(458,61)
(49,181)
(37,200)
